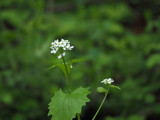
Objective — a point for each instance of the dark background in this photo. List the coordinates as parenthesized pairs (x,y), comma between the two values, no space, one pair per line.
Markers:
(118,39)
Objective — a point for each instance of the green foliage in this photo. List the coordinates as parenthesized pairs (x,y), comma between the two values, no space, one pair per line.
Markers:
(101,90)
(68,64)
(66,106)
(118,39)
(114,87)
(131,117)
(153,60)
(75,61)
(62,67)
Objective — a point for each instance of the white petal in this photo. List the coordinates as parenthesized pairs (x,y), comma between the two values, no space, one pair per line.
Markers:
(53,51)
(62,39)
(63,54)
(51,47)
(64,48)
(72,47)
(59,57)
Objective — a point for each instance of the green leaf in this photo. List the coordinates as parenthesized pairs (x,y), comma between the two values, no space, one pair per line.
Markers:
(101,89)
(66,106)
(62,67)
(75,61)
(114,86)
(153,60)
(52,67)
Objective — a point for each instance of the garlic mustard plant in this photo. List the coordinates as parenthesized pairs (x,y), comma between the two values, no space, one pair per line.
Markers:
(66,106)
(106,89)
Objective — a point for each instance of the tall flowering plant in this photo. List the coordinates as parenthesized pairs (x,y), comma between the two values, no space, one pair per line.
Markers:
(66,106)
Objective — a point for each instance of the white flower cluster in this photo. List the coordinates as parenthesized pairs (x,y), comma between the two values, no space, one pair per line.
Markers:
(64,44)
(107,81)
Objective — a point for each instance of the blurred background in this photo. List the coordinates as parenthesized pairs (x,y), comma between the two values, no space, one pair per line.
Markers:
(119,39)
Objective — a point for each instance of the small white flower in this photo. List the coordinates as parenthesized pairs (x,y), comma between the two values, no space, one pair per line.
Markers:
(68,46)
(60,56)
(63,54)
(71,66)
(56,48)
(64,48)
(53,51)
(110,81)
(52,47)
(107,81)
(52,43)
(56,42)
(71,47)
(103,81)
(64,44)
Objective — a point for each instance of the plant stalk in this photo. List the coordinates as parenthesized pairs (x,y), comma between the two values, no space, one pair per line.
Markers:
(100,106)
(67,73)
(78,115)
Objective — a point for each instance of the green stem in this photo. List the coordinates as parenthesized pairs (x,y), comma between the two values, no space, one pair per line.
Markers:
(78,116)
(100,106)
(66,86)
(67,73)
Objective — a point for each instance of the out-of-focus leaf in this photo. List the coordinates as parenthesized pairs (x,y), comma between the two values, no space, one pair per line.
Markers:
(52,67)
(136,117)
(153,60)
(115,87)
(101,90)
(149,98)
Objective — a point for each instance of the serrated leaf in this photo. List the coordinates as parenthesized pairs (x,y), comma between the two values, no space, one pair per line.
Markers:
(66,106)
(114,86)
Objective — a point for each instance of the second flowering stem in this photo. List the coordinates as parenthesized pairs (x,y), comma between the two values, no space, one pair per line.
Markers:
(106,93)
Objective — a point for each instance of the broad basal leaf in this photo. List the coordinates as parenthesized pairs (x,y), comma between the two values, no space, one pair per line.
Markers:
(66,106)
